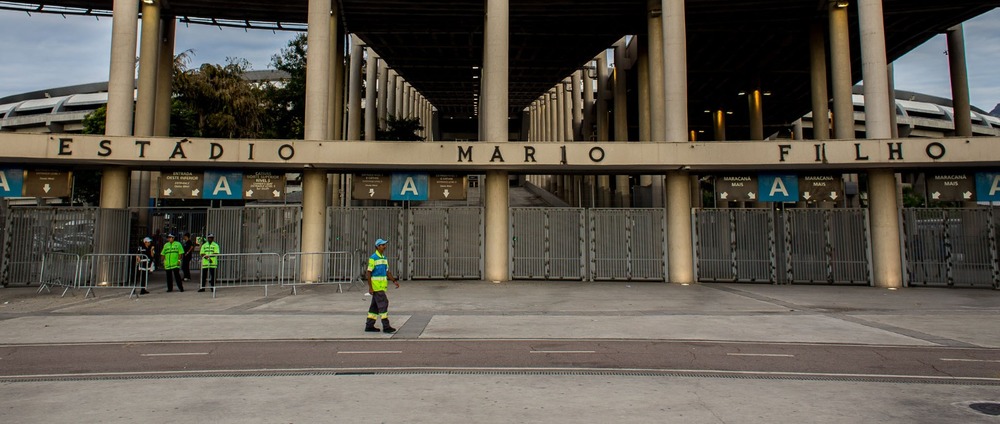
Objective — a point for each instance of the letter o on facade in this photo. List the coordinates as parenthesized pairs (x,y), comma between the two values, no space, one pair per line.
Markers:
(935,150)
(286,152)
(596,154)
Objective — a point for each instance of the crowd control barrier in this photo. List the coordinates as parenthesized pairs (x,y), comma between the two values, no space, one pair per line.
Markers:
(246,270)
(317,268)
(59,270)
(114,271)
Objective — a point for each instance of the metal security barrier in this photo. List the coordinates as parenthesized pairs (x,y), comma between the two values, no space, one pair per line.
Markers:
(59,270)
(246,270)
(948,247)
(548,243)
(827,246)
(735,245)
(445,243)
(354,228)
(113,271)
(627,244)
(31,232)
(334,268)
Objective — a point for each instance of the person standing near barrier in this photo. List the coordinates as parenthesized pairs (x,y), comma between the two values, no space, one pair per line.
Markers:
(378,277)
(171,253)
(144,264)
(188,255)
(209,261)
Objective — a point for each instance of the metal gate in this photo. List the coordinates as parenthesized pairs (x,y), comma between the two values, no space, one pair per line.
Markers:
(355,230)
(827,246)
(244,230)
(627,244)
(445,243)
(949,247)
(735,245)
(548,243)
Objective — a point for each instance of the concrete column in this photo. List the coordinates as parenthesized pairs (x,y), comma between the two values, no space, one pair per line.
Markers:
(568,102)
(603,94)
(383,93)
(719,125)
(371,95)
(121,84)
(588,105)
(681,253)
(560,113)
(884,211)
(840,72)
(339,78)
(621,102)
(577,104)
(165,77)
(495,113)
(400,89)
(959,81)
(354,93)
(642,72)
(756,110)
(316,127)
(145,103)
(654,24)
(820,95)
(554,133)
(407,93)
(390,98)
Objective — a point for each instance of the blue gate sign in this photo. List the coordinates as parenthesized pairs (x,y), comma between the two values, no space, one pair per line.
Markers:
(988,186)
(11,182)
(409,187)
(778,187)
(223,185)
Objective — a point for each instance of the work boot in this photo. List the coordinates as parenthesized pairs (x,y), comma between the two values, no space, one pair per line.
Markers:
(386,328)
(370,326)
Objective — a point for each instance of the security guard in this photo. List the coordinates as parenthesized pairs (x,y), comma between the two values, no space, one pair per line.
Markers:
(171,253)
(209,261)
(378,277)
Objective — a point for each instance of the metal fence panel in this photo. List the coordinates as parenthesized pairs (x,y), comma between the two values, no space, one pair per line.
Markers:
(113,271)
(355,229)
(445,242)
(247,270)
(627,244)
(827,245)
(59,270)
(267,229)
(736,245)
(31,232)
(951,247)
(548,243)
(335,268)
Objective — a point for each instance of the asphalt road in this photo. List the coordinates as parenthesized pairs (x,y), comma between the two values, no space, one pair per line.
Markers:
(793,360)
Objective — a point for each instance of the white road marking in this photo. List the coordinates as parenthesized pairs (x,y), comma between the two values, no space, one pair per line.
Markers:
(369,352)
(175,354)
(771,355)
(563,351)
(970,360)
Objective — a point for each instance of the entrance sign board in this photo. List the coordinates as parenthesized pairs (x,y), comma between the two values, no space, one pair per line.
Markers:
(371,187)
(46,183)
(409,187)
(223,185)
(448,187)
(988,186)
(11,182)
(816,188)
(736,188)
(951,187)
(181,185)
(264,186)
(778,188)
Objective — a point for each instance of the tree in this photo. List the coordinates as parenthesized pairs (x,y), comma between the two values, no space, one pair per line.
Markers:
(288,100)
(223,103)
(401,129)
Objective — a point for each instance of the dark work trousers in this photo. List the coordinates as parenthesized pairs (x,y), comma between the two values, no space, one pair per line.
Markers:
(173,274)
(378,309)
(204,276)
(186,266)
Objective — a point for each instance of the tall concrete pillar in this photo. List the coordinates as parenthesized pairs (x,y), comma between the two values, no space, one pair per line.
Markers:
(371,95)
(407,93)
(495,112)
(354,93)
(560,113)
(383,93)
(400,90)
(959,81)
(817,72)
(390,97)
(884,211)
(145,104)
(681,251)
(337,59)
(840,71)
(121,84)
(604,198)
(554,133)
(164,77)
(567,113)
(577,105)
(588,104)
(623,196)
(657,124)
(756,110)
(642,73)
(316,127)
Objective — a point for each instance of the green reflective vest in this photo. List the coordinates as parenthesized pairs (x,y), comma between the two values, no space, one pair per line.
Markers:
(209,250)
(172,252)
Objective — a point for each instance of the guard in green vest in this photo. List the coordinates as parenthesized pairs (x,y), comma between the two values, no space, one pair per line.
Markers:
(209,261)
(171,253)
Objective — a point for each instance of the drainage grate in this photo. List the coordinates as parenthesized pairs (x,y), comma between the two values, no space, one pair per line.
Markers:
(988,408)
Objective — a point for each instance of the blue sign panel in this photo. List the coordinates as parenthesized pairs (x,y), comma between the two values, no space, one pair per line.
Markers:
(778,187)
(988,186)
(11,182)
(409,187)
(223,185)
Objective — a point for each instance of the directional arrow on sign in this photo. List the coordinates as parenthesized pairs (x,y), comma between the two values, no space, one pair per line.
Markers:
(167,192)
(751,195)
(46,188)
(806,195)
(967,195)
(724,195)
(195,192)
(447,193)
(249,193)
(833,195)
(371,192)
(936,195)
(276,193)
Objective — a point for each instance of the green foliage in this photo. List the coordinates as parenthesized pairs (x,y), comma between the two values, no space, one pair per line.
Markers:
(287,108)
(402,129)
(94,122)
(223,103)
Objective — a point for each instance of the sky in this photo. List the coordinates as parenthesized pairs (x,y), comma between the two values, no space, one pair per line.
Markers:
(45,51)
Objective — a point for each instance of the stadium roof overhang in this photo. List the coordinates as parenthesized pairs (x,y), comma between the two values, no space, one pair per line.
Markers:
(733,46)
